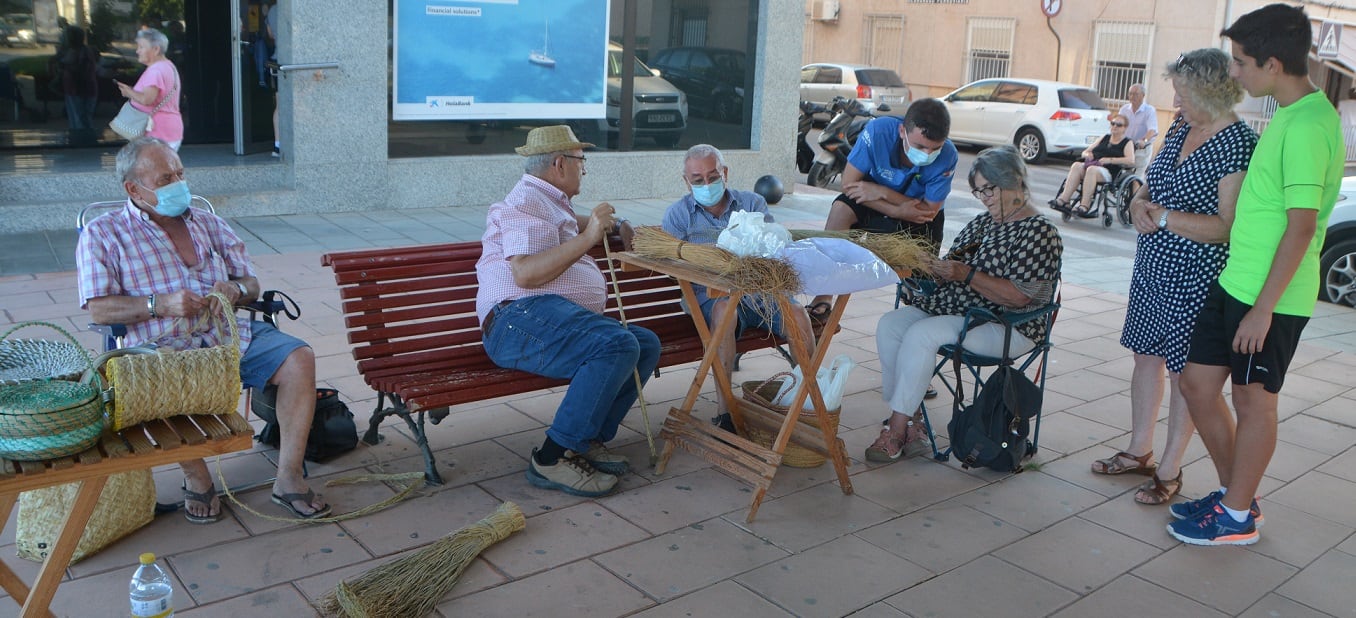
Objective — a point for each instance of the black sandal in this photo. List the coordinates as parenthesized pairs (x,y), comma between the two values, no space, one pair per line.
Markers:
(819,312)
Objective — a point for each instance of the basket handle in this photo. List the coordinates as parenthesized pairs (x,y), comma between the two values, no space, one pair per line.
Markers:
(96,372)
(214,318)
(89,362)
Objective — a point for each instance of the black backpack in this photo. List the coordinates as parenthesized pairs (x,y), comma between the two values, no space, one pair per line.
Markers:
(992,431)
(333,432)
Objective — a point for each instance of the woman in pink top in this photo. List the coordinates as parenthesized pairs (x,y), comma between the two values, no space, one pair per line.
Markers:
(158,86)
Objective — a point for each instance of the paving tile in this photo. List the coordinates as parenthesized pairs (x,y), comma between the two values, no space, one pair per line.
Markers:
(1032,500)
(281,600)
(479,576)
(1112,411)
(716,600)
(1316,434)
(580,589)
(810,517)
(1343,466)
(1131,596)
(790,480)
(1323,495)
(1006,591)
(468,463)
(91,596)
(561,537)
(673,564)
(1141,522)
(1063,432)
(1226,578)
(27,570)
(166,535)
(1274,605)
(1295,537)
(1337,410)
(677,501)
(908,485)
(1290,461)
(1325,585)
(1301,386)
(1078,554)
(1076,468)
(879,610)
(943,537)
(835,578)
(342,499)
(421,519)
(244,566)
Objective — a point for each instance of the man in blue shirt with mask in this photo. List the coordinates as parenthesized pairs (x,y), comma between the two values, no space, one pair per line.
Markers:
(700,217)
(897,178)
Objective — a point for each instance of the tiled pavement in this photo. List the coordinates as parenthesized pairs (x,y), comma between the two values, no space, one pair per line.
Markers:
(918,537)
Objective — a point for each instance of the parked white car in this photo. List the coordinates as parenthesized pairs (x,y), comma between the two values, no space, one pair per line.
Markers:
(1039,117)
(660,109)
(1337,264)
(873,86)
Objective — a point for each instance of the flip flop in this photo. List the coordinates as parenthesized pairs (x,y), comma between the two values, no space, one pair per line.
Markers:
(286,501)
(819,312)
(203,498)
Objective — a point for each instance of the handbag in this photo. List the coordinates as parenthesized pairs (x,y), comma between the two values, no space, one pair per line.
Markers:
(333,431)
(147,384)
(126,503)
(132,123)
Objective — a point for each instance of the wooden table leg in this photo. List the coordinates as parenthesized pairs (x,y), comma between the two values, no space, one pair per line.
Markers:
(16,588)
(54,567)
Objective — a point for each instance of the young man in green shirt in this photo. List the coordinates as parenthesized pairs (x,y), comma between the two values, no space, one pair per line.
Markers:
(1252,320)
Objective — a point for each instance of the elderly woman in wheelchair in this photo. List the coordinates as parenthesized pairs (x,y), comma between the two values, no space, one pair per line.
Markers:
(1101,162)
(1005,260)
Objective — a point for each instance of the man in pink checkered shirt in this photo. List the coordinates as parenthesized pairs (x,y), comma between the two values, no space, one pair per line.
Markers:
(541,302)
(154,262)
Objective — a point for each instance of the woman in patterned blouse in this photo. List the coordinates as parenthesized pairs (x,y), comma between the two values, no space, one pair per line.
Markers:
(1006,259)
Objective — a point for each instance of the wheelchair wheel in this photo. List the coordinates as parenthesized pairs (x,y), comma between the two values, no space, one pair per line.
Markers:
(1106,217)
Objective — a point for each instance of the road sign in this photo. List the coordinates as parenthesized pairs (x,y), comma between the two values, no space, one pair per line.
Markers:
(1051,7)
(1329,39)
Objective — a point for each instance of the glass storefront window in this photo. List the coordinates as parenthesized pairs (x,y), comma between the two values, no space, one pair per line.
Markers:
(691,80)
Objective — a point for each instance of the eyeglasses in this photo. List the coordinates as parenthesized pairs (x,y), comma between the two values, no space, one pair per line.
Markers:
(580,158)
(1118,124)
(1184,66)
(984,191)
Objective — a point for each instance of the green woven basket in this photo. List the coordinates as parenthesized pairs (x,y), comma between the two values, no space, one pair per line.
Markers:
(44,419)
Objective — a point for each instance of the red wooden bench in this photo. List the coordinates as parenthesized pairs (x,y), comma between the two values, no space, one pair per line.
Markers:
(410,315)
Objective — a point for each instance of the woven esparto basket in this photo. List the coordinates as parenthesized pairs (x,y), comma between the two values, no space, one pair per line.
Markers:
(39,359)
(45,419)
(761,392)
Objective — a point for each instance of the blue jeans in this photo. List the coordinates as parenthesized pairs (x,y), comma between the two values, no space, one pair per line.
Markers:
(553,337)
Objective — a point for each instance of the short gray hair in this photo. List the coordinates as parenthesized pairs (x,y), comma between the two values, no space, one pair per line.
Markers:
(535,165)
(702,151)
(1002,166)
(128,162)
(154,38)
(1204,77)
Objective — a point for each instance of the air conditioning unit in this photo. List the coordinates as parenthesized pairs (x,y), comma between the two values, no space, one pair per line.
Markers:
(825,10)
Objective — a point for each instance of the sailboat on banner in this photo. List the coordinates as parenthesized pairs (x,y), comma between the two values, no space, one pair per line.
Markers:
(543,57)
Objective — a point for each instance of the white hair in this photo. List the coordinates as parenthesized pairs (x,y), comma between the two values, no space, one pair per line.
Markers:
(702,151)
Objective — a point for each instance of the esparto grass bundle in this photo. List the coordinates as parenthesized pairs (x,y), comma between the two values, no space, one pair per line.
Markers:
(752,275)
(901,250)
(412,586)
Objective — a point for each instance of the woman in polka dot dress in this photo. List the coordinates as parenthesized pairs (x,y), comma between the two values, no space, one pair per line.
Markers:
(1183,217)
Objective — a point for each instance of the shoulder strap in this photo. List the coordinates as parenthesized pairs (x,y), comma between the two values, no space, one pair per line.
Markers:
(173,90)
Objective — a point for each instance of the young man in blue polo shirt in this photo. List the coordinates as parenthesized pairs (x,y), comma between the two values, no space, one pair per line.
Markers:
(897,179)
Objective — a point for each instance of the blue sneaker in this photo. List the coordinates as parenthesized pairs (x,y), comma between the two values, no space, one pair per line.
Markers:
(1215,527)
(1195,508)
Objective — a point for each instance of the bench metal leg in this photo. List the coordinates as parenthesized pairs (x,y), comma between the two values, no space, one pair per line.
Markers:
(398,408)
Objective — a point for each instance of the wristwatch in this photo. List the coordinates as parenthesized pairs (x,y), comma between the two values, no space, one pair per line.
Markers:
(244,291)
(617,223)
(1163,220)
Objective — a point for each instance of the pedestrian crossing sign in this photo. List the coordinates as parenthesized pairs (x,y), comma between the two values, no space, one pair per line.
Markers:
(1329,39)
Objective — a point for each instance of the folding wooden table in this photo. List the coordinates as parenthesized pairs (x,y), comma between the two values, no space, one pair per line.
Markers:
(147,445)
(750,462)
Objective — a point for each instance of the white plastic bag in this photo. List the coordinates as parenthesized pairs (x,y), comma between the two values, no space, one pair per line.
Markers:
(831,266)
(832,382)
(749,234)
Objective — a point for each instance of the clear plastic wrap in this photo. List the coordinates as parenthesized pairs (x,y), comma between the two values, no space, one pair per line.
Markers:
(829,266)
(748,234)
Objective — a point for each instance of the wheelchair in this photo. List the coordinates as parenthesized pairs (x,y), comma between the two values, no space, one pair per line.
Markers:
(1110,201)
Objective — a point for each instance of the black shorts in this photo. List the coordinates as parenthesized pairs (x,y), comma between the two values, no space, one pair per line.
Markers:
(1212,341)
(872,220)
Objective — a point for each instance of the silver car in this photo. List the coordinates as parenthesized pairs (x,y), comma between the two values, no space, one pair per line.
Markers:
(659,110)
(1337,264)
(1039,117)
(873,86)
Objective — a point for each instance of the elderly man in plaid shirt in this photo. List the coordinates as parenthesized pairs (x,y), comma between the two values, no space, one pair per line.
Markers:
(154,262)
(540,303)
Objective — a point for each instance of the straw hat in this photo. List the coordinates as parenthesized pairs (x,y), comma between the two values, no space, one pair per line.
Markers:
(556,138)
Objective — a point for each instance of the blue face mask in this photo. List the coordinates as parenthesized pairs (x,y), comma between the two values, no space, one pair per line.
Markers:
(709,194)
(172,199)
(920,158)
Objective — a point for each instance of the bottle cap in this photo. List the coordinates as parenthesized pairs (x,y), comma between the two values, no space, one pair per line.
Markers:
(147,558)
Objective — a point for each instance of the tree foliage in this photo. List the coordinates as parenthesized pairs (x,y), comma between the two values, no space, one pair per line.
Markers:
(156,11)
(104,24)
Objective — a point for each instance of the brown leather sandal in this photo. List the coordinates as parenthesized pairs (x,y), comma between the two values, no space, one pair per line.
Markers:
(1115,464)
(1158,491)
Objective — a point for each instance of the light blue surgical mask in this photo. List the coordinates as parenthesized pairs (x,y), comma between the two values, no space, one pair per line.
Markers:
(709,194)
(920,158)
(172,199)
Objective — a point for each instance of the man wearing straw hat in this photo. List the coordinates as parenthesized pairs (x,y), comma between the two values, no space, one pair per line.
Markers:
(540,304)
(700,217)
(151,265)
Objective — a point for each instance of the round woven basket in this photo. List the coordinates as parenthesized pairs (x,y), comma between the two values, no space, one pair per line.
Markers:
(48,418)
(38,359)
(761,392)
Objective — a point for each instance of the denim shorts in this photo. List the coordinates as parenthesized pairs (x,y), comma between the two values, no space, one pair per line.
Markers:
(268,348)
(749,316)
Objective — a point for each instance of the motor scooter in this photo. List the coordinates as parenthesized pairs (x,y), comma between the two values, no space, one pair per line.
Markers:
(805,155)
(838,138)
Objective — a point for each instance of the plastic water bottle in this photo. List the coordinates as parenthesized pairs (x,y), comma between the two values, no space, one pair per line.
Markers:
(150,590)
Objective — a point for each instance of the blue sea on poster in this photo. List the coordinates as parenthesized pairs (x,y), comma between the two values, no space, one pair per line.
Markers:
(465,59)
